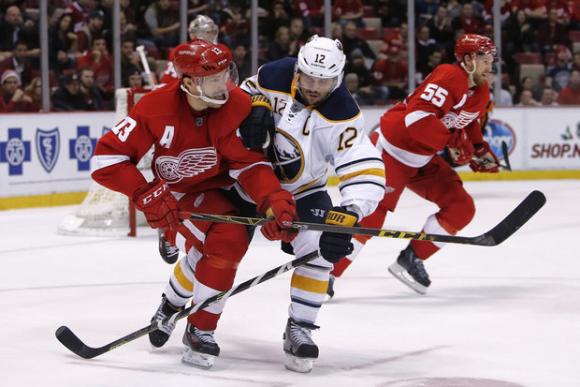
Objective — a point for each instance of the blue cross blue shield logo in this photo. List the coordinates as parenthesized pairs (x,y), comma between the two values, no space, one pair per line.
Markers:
(48,147)
(15,151)
(81,148)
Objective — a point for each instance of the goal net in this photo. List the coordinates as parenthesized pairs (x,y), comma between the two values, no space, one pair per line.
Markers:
(104,212)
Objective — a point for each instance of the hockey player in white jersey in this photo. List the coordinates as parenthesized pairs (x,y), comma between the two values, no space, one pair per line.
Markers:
(318,124)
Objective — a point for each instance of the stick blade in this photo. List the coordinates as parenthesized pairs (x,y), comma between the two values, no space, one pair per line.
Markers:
(515,220)
(74,344)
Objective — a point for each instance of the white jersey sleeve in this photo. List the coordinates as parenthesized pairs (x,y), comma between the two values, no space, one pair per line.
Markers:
(358,166)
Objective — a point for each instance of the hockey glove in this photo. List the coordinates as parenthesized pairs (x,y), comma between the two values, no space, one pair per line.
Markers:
(334,246)
(461,150)
(157,204)
(282,207)
(484,159)
(259,127)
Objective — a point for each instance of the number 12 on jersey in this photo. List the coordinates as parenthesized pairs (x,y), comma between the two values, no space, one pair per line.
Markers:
(435,94)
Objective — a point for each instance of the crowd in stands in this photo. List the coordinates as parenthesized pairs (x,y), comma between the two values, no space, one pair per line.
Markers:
(540,40)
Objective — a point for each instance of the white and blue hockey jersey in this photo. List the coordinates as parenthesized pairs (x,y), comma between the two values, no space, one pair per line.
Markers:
(310,138)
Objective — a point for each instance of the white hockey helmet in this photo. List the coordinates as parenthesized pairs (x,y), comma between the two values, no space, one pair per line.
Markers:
(322,57)
(203,27)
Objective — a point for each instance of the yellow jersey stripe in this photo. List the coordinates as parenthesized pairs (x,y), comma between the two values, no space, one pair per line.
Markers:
(182,279)
(309,284)
(371,171)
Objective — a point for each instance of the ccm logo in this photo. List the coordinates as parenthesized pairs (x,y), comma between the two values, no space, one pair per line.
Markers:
(154,195)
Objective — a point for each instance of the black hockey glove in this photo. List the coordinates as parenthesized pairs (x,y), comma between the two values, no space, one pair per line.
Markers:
(259,127)
(334,246)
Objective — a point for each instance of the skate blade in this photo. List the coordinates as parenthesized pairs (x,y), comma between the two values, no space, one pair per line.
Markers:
(298,364)
(198,359)
(400,273)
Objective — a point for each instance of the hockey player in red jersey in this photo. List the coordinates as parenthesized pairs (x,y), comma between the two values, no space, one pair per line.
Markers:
(193,124)
(444,111)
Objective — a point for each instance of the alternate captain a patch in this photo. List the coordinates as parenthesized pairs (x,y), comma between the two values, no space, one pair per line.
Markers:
(288,157)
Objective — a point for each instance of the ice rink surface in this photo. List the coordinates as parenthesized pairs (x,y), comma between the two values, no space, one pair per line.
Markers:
(500,316)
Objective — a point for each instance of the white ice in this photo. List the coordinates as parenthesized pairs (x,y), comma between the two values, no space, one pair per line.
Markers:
(494,316)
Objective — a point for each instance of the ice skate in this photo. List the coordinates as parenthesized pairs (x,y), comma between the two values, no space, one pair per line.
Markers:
(201,348)
(159,337)
(301,352)
(168,252)
(409,269)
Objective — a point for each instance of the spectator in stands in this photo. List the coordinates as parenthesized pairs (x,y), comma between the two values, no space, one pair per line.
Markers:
(133,79)
(576,61)
(454,9)
(535,10)
(553,31)
(549,97)
(559,73)
(99,60)
(527,99)
(62,38)
(67,97)
(392,73)
(434,60)
(10,82)
(298,35)
(425,9)
(390,12)
(368,89)
(505,97)
(13,29)
(129,57)
(348,10)
(280,47)
(278,17)
(91,30)
(425,46)
(20,62)
(336,31)
(570,95)
(163,24)
(469,22)
(440,29)
(89,92)
(242,61)
(351,42)
(311,11)
(27,100)
(351,83)
(80,10)
(527,83)
(128,29)
(519,35)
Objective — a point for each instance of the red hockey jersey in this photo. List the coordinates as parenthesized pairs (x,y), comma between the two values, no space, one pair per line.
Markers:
(419,127)
(194,151)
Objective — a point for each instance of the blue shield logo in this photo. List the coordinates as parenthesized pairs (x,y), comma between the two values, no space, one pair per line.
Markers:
(495,133)
(48,147)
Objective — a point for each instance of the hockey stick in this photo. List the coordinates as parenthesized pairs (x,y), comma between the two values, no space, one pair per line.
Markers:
(503,230)
(143,58)
(505,152)
(75,345)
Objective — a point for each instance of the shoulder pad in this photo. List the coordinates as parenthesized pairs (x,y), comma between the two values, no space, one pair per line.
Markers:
(277,75)
(339,106)
(160,102)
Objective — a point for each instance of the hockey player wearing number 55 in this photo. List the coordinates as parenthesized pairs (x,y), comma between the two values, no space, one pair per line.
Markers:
(193,125)
(444,111)
(317,123)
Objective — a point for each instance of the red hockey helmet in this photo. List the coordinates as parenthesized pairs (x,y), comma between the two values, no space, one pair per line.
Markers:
(200,58)
(474,44)
(210,66)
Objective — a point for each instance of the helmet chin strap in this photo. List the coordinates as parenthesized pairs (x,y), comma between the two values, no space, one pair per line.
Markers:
(470,73)
(203,97)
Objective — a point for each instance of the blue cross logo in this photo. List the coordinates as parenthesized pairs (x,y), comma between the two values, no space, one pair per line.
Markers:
(14,151)
(81,148)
